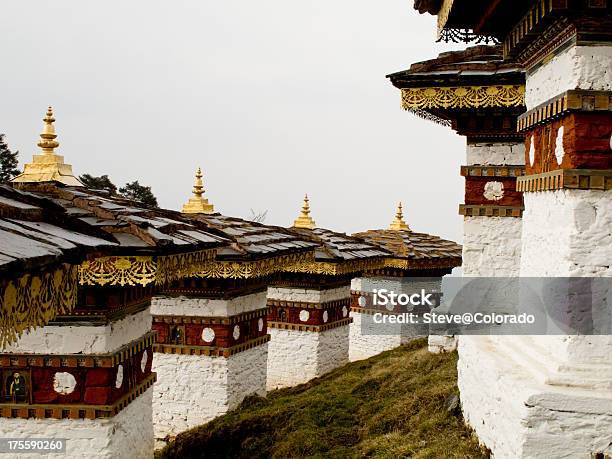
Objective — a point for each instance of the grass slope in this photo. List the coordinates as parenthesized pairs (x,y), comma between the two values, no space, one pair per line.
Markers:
(392,405)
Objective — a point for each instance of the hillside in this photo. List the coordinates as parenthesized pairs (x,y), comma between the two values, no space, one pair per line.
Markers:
(398,404)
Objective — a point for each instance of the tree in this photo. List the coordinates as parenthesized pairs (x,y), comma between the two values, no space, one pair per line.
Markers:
(137,192)
(8,162)
(258,217)
(98,183)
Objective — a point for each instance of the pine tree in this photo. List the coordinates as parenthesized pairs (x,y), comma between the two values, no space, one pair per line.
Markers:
(98,183)
(137,192)
(8,162)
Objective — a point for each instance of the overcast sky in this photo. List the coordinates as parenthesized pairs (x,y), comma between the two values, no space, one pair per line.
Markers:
(272,98)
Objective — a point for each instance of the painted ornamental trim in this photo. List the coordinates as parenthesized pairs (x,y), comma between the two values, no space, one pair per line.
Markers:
(461,97)
(491,211)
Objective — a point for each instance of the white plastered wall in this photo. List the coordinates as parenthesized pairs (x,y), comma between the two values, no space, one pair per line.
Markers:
(194,389)
(128,435)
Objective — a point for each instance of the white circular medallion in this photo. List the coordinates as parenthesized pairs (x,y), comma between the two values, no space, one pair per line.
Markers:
(362,301)
(119,379)
(236,333)
(64,383)
(304,315)
(531,152)
(344,311)
(260,324)
(144,360)
(208,335)
(559,150)
(325,316)
(493,191)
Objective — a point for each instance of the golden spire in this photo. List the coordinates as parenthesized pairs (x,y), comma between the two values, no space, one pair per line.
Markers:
(399,223)
(304,220)
(197,204)
(48,166)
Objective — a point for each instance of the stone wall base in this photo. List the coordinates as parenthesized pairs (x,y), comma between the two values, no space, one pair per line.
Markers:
(194,389)
(299,356)
(128,435)
(368,339)
(516,415)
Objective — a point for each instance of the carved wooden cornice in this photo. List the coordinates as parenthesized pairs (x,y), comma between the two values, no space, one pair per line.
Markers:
(493,171)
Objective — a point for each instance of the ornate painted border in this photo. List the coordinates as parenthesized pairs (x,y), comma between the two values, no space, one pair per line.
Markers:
(229,320)
(581,179)
(250,269)
(109,360)
(573,100)
(40,411)
(492,171)
(461,97)
(210,351)
(305,305)
(310,328)
(490,211)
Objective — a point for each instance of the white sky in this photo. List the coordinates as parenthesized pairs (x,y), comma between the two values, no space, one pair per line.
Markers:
(272,98)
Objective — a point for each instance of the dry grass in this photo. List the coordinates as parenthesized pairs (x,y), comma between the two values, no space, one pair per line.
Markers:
(390,406)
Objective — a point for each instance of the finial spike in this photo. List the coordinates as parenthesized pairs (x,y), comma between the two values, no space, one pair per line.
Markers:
(197,204)
(304,220)
(399,223)
(47,136)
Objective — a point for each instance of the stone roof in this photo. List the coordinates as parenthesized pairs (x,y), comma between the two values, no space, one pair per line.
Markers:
(251,240)
(481,64)
(334,247)
(410,245)
(135,229)
(35,232)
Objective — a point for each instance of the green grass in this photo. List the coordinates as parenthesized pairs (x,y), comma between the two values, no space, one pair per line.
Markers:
(390,406)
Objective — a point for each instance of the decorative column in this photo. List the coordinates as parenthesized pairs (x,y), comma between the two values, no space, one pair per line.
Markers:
(480,96)
(549,396)
(211,348)
(417,261)
(308,307)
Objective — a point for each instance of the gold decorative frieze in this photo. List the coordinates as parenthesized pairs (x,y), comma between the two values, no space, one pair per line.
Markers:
(573,100)
(573,179)
(336,269)
(143,270)
(34,299)
(251,269)
(210,351)
(420,263)
(310,328)
(456,97)
(491,211)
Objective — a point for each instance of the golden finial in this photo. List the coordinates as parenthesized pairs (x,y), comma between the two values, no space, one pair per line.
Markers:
(197,204)
(48,166)
(47,136)
(304,220)
(399,223)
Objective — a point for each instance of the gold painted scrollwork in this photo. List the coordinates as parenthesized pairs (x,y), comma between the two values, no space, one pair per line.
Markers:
(34,300)
(251,269)
(463,97)
(143,270)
